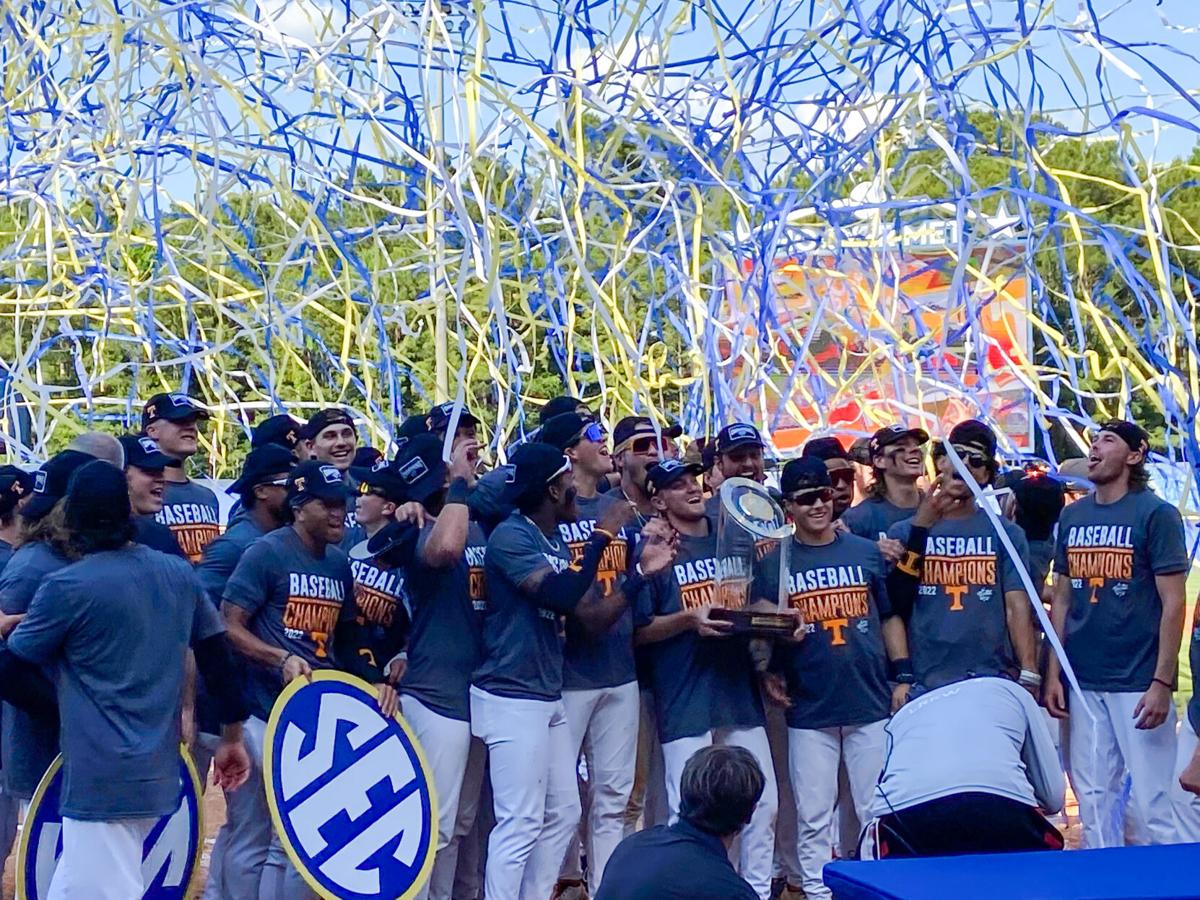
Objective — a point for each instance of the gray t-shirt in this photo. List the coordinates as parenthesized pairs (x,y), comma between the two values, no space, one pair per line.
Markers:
(192,513)
(874,517)
(6,553)
(959,627)
(1111,553)
(28,744)
(296,602)
(522,647)
(222,556)
(590,663)
(115,626)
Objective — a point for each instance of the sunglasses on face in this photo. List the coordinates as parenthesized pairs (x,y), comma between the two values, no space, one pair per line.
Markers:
(593,432)
(808,498)
(650,443)
(972,458)
(845,476)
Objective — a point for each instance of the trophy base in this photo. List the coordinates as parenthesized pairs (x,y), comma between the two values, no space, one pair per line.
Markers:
(756,624)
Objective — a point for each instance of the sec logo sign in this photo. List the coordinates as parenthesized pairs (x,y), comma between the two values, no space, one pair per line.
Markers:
(170,853)
(350,792)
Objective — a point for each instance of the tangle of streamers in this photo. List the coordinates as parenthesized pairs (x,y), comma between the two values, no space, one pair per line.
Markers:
(822,215)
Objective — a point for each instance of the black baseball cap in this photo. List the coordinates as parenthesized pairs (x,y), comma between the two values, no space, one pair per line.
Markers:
(382,477)
(325,418)
(261,463)
(532,467)
(365,458)
(50,482)
(1132,434)
(637,426)
(315,480)
(438,418)
(807,473)
(420,468)
(171,408)
(142,453)
(564,430)
(390,540)
(974,435)
(825,449)
(559,405)
(97,497)
(282,429)
(739,434)
(14,484)
(891,434)
(662,475)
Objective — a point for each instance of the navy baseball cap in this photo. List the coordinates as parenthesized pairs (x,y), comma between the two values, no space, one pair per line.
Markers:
(282,429)
(974,435)
(559,405)
(14,484)
(438,418)
(662,475)
(889,435)
(1132,434)
(420,468)
(50,482)
(808,473)
(388,542)
(739,434)
(365,458)
(532,466)
(326,418)
(142,453)
(261,464)
(381,477)
(97,497)
(564,430)
(825,449)
(315,480)
(171,408)
(640,426)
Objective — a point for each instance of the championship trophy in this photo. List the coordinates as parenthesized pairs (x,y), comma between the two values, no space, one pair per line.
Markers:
(751,527)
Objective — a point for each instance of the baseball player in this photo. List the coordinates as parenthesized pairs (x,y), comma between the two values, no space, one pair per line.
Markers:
(704,683)
(330,437)
(115,627)
(738,453)
(437,422)
(516,692)
(144,467)
(233,869)
(841,471)
(1120,567)
(833,684)
(600,691)
(897,463)
(190,510)
(967,609)
(287,606)
(281,429)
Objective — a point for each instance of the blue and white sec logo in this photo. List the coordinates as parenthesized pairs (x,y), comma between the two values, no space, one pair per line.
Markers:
(170,852)
(350,792)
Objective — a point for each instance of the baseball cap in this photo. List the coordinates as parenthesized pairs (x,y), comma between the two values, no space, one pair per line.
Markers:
(262,462)
(974,435)
(389,539)
(50,482)
(142,453)
(315,480)
(804,474)
(662,475)
(324,418)
(171,408)
(1132,434)
(825,448)
(365,458)
(739,434)
(891,434)
(1040,501)
(438,418)
(14,484)
(420,468)
(564,430)
(282,429)
(97,497)
(559,405)
(860,451)
(380,476)
(637,426)
(532,467)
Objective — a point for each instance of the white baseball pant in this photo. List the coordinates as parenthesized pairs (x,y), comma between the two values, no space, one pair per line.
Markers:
(603,724)
(240,850)
(757,850)
(815,755)
(533,790)
(786,864)
(100,860)
(457,762)
(1187,805)
(1103,750)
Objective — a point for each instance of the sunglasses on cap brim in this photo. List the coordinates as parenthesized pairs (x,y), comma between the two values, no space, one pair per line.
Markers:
(808,498)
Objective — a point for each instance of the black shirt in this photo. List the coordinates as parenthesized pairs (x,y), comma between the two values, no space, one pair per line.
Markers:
(672,862)
(156,536)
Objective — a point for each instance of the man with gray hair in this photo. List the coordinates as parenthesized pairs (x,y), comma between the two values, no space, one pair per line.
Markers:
(719,790)
(100,445)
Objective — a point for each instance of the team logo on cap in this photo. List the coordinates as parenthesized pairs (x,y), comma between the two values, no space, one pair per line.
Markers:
(291,436)
(39,483)
(379,465)
(17,489)
(670,465)
(151,410)
(180,400)
(170,852)
(331,475)
(414,470)
(148,445)
(737,432)
(350,792)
